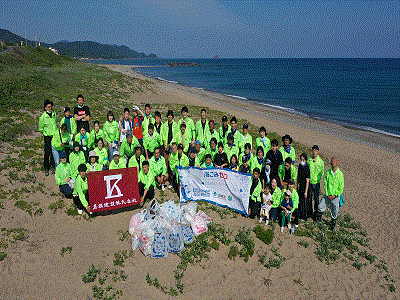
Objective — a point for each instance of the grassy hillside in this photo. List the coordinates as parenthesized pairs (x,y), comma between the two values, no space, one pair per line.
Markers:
(28,76)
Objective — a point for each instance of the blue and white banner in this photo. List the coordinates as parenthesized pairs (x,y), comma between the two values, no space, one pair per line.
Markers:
(219,186)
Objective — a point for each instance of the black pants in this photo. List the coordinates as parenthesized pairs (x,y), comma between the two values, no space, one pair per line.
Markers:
(314,195)
(150,191)
(66,190)
(295,215)
(78,202)
(254,209)
(48,154)
(305,204)
(274,213)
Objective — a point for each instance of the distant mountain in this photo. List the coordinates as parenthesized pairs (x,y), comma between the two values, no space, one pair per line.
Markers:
(80,49)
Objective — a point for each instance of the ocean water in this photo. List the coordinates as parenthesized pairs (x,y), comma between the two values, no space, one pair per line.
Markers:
(360,92)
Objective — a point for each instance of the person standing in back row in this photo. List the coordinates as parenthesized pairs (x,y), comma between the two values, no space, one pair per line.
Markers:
(47,127)
(81,114)
(316,165)
(333,185)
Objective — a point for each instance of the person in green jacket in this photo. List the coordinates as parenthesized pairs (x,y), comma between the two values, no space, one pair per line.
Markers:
(208,163)
(287,149)
(168,131)
(200,153)
(263,141)
(246,152)
(190,127)
(296,200)
(63,176)
(184,137)
(47,126)
(127,149)
(93,164)
(316,165)
(158,167)
(81,194)
(147,119)
(258,161)
(60,142)
(230,147)
(246,138)
(212,148)
(287,171)
(117,162)
(111,133)
(210,134)
(151,141)
(334,186)
(146,183)
(276,200)
(255,195)
(237,135)
(83,139)
(95,134)
(181,161)
(202,128)
(102,153)
(69,120)
(224,130)
(137,159)
(76,158)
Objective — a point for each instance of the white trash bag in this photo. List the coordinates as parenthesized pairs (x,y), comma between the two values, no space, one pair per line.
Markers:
(146,239)
(188,235)
(160,244)
(175,240)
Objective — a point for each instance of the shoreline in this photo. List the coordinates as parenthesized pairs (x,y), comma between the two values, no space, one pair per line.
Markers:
(353,132)
(346,124)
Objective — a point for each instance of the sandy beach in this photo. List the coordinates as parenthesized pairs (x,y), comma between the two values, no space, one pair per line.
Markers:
(371,166)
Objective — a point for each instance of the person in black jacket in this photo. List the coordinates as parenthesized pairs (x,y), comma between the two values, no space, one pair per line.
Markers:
(303,184)
(221,159)
(275,156)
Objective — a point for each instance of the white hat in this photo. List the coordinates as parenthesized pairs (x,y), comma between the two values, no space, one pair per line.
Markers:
(116,152)
(288,192)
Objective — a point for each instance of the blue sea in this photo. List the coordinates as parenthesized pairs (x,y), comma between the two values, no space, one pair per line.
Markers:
(363,93)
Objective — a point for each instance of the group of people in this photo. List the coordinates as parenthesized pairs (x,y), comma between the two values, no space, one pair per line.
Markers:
(140,139)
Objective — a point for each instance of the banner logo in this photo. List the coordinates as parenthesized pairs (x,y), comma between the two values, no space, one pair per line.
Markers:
(114,187)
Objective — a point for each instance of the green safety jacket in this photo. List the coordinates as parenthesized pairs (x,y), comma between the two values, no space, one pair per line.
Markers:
(48,124)
(281,172)
(265,146)
(97,167)
(63,171)
(126,149)
(253,163)
(145,123)
(102,154)
(256,195)
(276,197)
(183,139)
(334,183)
(60,138)
(248,139)
(285,155)
(222,137)
(190,127)
(316,169)
(201,135)
(94,136)
(75,159)
(164,131)
(207,139)
(147,179)
(72,122)
(121,164)
(111,132)
(134,163)
(81,188)
(152,142)
(158,166)
(231,150)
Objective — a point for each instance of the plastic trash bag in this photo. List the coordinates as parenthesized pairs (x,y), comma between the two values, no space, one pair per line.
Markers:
(204,216)
(146,239)
(135,243)
(160,244)
(188,235)
(135,223)
(175,240)
(198,225)
(171,211)
(153,210)
(188,211)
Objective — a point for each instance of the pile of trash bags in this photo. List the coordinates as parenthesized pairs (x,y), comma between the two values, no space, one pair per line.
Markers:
(166,228)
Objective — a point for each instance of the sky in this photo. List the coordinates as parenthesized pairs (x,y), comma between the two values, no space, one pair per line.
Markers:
(206,28)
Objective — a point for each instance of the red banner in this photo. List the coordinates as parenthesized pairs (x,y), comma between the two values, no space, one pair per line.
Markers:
(113,189)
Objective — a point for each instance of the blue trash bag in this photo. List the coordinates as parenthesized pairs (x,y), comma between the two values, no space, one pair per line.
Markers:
(188,235)
(160,244)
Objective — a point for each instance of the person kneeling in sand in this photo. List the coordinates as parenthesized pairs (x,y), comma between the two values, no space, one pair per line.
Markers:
(147,183)
(81,197)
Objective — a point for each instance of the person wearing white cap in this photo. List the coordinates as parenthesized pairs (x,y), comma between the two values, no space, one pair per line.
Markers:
(286,206)
(117,163)
(93,164)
